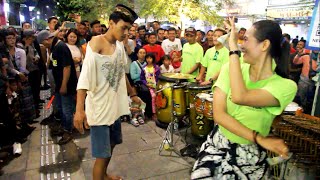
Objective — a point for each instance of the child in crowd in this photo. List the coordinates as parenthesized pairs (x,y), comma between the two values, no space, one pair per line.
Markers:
(149,77)
(166,66)
(176,60)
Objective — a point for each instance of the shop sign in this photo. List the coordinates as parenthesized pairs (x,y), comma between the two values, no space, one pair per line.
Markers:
(313,39)
(290,13)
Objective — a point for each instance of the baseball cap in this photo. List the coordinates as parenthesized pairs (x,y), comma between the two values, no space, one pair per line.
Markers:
(43,35)
(191,30)
(126,11)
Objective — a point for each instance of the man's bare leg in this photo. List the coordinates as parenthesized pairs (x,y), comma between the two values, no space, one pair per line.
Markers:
(100,168)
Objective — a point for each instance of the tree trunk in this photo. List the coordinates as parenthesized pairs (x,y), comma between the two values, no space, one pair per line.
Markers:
(14,14)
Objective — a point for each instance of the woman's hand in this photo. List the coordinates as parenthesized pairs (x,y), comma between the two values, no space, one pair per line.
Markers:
(233,39)
(205,83)
(274,144)
(76,59)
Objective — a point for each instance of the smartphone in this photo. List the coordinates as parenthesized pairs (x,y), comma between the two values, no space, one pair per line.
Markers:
(70,25)
(235,20)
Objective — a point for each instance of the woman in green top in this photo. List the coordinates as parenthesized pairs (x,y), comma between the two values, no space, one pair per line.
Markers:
(236,148)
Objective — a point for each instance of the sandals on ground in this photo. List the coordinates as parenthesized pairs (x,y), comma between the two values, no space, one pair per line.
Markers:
(140,120)
(134,122)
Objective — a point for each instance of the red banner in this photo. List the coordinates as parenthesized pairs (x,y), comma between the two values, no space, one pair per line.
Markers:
(2,14)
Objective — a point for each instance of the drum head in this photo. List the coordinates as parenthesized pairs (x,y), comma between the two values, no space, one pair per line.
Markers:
(169,79)
(199,87)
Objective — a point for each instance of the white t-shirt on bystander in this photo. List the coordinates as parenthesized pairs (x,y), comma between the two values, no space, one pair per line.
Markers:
(169,46)
(163,69)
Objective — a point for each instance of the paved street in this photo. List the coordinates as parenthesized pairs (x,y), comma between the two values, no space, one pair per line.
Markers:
(136,158)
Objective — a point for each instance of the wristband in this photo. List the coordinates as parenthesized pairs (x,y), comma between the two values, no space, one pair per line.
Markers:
(133,96)
(237,52)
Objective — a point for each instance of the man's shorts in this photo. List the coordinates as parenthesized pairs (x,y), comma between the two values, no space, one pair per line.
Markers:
(102,137)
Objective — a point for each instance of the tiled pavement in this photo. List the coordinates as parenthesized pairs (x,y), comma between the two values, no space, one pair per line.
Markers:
(136,158)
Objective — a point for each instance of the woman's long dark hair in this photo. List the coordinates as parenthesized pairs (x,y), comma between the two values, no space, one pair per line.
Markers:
(267,29)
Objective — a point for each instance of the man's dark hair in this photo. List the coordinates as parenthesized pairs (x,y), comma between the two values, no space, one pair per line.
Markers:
(172,29)
(160,29)
(242,29)
(26,22)
(143,27)
(117,16)
(203,33)
(304,42)
(51,18)
(286,36)
(221,30)
(94,22)
(152,34)
(83,23)
(210,31)
(156,22)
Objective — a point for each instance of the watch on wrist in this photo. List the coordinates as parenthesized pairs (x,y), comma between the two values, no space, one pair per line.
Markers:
(235,52)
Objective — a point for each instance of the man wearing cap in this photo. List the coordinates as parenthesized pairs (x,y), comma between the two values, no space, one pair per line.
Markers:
(65,79)
(32,66)
(214,59)
(192,53)
(102,90)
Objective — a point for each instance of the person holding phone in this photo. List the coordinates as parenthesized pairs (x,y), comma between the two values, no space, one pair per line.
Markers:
(246,99)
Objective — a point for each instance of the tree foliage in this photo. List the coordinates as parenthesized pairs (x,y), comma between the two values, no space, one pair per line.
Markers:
(172,10)
(175,10)
(88,9)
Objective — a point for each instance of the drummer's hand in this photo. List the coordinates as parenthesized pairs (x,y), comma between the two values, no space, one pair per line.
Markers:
(198,78)
(205,83)
(274,144)
(136,100)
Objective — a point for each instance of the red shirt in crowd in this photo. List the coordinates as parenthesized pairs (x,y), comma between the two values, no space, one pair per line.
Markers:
(156,50)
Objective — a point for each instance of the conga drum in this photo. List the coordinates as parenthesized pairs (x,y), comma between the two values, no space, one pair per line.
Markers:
(200,125)
(208,107)
(168,88)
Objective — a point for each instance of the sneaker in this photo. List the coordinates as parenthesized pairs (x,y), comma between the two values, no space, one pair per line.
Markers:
(66,137)
(57,131)
(47,120)
(17,150)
